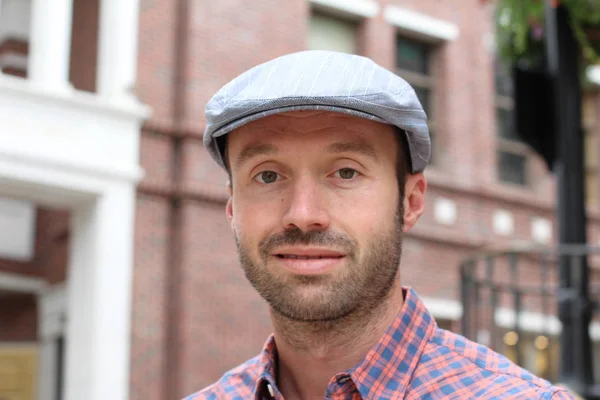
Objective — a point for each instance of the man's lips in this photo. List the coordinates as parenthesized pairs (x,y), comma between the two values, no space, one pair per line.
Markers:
(309,261)
(298,257)
(307,253)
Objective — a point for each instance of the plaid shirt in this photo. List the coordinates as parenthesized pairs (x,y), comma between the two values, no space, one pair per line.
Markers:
(413,360)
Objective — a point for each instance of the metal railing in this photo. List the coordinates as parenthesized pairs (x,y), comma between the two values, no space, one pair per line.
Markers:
(536,305)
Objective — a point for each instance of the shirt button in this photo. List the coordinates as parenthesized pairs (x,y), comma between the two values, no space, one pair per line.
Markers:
(270,389)
(343,379)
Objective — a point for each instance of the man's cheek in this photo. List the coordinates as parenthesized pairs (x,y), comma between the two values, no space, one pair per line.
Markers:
(248,238)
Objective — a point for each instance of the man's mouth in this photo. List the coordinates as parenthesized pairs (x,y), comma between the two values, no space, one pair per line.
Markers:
(307,261)
(300,257)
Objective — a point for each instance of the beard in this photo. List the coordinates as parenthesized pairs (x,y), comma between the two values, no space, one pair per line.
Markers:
(364,283)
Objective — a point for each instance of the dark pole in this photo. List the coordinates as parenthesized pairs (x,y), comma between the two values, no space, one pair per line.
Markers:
(563,54)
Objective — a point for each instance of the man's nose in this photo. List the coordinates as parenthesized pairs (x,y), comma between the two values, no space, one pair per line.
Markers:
(306,207)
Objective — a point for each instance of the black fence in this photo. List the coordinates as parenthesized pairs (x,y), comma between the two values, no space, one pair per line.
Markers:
(515,299)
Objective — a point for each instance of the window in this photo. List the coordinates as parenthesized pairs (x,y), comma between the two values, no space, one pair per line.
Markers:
(512,152)
(512,167)
(327,32)
(414,61)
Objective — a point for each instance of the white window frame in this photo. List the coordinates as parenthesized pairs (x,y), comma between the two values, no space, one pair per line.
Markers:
(354,9)
(421,26)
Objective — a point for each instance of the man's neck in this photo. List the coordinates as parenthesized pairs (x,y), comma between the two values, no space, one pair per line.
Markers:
(310,354)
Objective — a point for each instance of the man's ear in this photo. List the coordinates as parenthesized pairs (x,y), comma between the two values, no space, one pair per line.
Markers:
(414,199)
(229,205)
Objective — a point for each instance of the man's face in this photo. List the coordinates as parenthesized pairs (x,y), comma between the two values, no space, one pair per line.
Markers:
(316,212)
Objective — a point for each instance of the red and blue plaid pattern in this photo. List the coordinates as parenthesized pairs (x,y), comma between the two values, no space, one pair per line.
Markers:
(413,360)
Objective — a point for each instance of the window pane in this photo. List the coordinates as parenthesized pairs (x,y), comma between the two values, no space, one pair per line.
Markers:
(504,80)
(505,124)
(412,56)
(512,167)
(424,96)
(331,33)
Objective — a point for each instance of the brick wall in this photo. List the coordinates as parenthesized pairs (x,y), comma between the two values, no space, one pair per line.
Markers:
(53,254)
(84,44)
(149,314)
(51,248)
(14,47)
(19,318)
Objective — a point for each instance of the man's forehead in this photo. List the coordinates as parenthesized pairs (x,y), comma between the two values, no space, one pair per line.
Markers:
(311,121)
(325,132)
(257,148)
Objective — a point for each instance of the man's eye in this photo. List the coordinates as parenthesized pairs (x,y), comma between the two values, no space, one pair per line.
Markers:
(346,173)
(267,177)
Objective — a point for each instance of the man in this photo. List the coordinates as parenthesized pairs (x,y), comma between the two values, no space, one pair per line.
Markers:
(325,152)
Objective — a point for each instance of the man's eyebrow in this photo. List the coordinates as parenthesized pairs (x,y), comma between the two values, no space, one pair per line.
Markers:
(253,151)
(353,147)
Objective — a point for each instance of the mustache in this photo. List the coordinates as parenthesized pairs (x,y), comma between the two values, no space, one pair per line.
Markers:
(296,236)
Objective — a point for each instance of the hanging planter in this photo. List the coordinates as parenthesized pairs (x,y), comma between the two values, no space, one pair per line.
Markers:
(520,29)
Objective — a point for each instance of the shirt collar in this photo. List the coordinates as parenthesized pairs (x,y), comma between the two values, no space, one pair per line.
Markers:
(387,368)
(267,363)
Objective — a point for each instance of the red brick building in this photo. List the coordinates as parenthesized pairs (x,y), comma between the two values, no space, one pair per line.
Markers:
(101,262)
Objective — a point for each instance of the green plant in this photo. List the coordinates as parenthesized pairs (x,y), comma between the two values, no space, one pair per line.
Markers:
(520,28)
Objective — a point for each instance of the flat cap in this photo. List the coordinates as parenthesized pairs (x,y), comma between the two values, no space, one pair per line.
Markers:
(319,80)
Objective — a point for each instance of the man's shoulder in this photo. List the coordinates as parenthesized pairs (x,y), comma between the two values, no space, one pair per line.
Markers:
(238,382)
(454,364)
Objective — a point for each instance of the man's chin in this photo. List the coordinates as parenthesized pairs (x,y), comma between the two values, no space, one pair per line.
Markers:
(311,304)
(311,315)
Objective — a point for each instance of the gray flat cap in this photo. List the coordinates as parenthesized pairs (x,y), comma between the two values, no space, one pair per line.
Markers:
(319,80)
